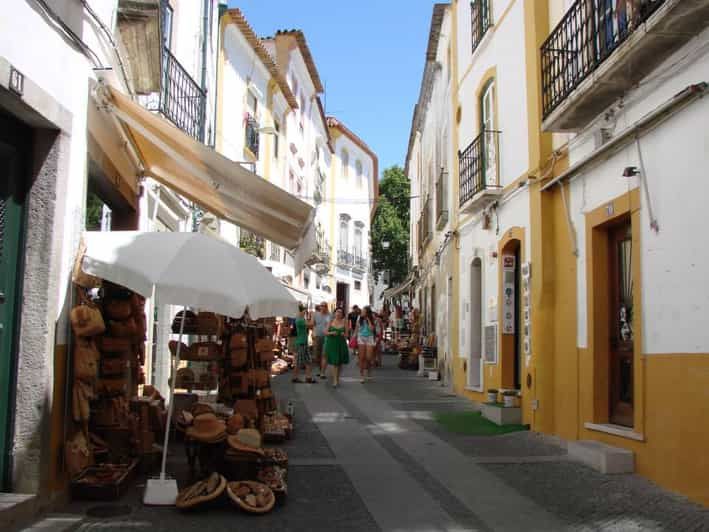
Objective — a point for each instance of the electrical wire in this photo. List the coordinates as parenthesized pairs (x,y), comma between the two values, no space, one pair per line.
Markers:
(107,32)
(80,44)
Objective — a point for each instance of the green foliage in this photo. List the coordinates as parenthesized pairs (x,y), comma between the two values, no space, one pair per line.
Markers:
(473,424)
(94,211)
(391,224)
(252,244)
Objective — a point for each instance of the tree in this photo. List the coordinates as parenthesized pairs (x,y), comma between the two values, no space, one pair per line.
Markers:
(391,224)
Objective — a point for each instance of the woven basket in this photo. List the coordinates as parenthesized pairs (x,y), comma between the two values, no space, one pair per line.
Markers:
(232,488)
(199,493)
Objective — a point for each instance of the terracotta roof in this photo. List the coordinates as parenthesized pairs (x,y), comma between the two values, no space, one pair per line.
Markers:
(434,34)
(237,17)
(336,124)
(307,56)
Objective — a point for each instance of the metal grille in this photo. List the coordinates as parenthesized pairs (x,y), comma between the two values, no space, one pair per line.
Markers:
(480,20)
(252,136)
(587,35)
(182,100)
(477,165)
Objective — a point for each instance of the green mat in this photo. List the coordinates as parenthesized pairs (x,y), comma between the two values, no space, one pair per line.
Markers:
(473,424)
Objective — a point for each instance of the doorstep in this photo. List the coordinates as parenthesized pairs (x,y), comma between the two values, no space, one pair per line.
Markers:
(17,509)
(602,457)
(500,414)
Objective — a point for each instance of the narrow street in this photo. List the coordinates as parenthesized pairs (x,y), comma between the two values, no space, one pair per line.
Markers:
(371,457)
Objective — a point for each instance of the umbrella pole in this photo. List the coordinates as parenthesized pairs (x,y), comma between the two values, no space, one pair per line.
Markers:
(163,491)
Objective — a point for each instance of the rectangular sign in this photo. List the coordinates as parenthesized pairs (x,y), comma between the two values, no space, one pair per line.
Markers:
(508,294)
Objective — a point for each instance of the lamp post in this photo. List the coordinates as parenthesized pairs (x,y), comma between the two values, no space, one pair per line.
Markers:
(385,244)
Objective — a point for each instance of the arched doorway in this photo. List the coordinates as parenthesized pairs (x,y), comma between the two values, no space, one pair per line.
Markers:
(476,309)
(510,343)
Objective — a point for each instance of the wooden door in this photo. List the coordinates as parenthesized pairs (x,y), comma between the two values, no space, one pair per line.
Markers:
(621,323)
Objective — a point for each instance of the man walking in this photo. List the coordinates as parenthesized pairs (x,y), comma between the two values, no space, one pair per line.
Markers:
(322,320)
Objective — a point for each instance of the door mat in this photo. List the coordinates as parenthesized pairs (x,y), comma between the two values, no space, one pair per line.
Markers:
(473,424)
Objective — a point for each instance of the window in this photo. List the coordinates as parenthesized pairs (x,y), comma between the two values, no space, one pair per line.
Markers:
(302,113)
(345,163)
(306,279)
(167,15)
(358,285)
(487,126)
(317,282)
(344,236)
(358,172)
(358,241)
(251,103)
(251,125)
(275,252)
(480,20)
(291,182)
(276,138)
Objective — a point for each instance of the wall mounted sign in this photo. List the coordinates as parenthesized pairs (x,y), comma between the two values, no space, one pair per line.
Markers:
(508,294)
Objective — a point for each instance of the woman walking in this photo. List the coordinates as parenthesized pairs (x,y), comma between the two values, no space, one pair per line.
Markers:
(303,323)
(336,350)
(365,333)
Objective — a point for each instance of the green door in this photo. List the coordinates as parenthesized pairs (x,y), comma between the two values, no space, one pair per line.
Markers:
(13,145)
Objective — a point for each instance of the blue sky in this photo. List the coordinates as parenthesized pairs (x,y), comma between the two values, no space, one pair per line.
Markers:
(370,55)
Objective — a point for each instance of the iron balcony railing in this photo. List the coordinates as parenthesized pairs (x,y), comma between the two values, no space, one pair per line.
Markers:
(252,134)
(345,258)
(477,165)
(587,35)
(480,20)
(360,261)
(182,101)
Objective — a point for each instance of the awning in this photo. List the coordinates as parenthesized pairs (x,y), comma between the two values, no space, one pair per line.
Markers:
(301,295)
(400,289)
(206,177)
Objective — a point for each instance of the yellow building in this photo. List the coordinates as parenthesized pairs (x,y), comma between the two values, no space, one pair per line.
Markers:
(575,278)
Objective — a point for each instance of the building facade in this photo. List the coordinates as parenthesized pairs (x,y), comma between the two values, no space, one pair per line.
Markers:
(575,281)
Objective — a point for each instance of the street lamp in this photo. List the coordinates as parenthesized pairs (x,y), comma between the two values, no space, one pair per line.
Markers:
(385,245)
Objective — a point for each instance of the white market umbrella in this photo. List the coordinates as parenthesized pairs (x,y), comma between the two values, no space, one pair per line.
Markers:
(188,269)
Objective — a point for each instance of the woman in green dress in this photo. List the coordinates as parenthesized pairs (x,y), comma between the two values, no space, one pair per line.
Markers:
(336,348)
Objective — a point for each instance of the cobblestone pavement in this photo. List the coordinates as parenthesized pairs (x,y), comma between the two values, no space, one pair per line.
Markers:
(368,457)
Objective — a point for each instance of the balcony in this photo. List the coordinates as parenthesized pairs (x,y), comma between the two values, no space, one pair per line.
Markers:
(359,262)
(345,259)
(424,225)
(480,20)
(182,101)
(479,175)
(319,259)
(251,132)
(441,200)
(601,49)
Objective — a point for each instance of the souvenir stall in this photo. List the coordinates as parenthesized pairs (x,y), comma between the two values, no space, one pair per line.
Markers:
(224,428)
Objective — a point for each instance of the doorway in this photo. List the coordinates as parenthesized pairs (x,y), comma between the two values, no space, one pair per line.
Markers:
(511,358)
(620,315)
(476,309)
(15,141)
(343,296)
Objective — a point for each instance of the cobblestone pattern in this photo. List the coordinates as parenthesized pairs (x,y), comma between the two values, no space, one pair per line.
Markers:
(590,501)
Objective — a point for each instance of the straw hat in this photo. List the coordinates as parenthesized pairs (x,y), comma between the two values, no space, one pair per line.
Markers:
(235,423)
(201,492)
(201,408)
(207,428)
(246,440)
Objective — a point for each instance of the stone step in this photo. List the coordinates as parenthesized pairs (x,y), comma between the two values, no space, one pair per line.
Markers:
(602,457)
(16,510)
(502,415)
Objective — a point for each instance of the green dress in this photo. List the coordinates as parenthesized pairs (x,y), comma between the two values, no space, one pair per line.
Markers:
(336,347)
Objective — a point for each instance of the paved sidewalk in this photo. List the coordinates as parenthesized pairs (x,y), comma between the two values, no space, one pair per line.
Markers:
(369,457)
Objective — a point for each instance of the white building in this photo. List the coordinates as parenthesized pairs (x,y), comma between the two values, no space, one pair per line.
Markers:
(353,191)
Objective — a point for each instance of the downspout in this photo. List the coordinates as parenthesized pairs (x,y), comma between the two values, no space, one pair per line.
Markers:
(222,8)
(205,25)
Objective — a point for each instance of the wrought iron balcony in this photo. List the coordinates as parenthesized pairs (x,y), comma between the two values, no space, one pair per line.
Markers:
(319,259)
(480,20)
(251,131)
(441,200)
(182,101)
(345,259)
(478,166)
(581,72)
(360,261)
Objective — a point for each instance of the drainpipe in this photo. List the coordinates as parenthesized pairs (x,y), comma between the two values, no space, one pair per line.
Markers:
(205,37)
(222,9)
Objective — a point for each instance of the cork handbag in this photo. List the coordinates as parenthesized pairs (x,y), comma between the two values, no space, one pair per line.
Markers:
(118,309)
(85,360)
(86,320)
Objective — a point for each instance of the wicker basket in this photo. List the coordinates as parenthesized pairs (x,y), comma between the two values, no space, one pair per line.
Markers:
(233,487)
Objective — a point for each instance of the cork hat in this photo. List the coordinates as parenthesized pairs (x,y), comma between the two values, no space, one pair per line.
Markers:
(207,428)
(246,440)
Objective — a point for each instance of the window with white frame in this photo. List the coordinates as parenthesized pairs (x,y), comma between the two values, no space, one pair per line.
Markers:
(358,239)
(345,163)
(358,172)
(343,237)
(276,137)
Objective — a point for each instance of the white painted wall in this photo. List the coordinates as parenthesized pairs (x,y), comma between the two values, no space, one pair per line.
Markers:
(675,294)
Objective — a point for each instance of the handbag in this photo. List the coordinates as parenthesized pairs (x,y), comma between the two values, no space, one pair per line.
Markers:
(123,329)
(264,344)
(239,357)
(247,408)
(77,455)
(113,366)
(204,351)
(238,341)
(86,320)
(111,344)
(209,323)
(118,309)
(353,342)
(85,360)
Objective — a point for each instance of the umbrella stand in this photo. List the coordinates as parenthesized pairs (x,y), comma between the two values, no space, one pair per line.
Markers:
(163,491)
